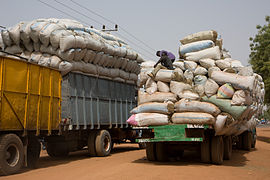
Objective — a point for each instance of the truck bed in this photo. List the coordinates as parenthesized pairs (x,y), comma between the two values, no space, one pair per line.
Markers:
(90,102)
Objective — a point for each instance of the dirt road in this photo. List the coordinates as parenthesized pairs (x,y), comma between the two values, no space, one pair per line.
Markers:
(128,162)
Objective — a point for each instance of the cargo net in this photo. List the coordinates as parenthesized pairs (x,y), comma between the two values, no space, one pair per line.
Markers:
(67,45)
(207,87)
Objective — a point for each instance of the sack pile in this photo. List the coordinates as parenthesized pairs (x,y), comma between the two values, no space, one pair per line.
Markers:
(67,45)
(208,88)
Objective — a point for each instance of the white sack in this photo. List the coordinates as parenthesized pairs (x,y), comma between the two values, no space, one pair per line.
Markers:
(210,87)
(193,118)
(163,87)
(150,86)
(223,64)
(199,36)
(178,87)
(185,105)
(154,107)
(156,97)
(213,53)
(148,119)
(237,81)
(200,71)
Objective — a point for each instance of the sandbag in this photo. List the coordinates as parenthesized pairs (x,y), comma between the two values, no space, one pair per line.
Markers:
(150,86)
(223,64)
(188,94)
(148,119)
(190,65)
(35,28)
(56,35)
(193,118)
(236,64)
(89,56)
(245,71)
(237,81)
(188,76)
(241,98)
(65,67)
(45,32)
(200,71)
(200,80)
(179,64)
(45,60)
(210,87)
(15,49)
(79,54)
(195,46)
(199,36)
(213,53)
(124,75)
(225,106)
(147,64)
(142,78)
(211,69)
(154,107)
(178,87)
(185,105)
(165,75)
(35,57)
(55,61)
(163,87)
(219,124)
(207,63)
(66,55)
(156,97)
(225,91)
(6,38)
(14,33)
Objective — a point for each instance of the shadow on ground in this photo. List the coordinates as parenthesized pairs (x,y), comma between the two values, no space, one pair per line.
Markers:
(192,158)
(263,138)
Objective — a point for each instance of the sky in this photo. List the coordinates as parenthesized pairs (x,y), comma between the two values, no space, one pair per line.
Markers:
(155,24)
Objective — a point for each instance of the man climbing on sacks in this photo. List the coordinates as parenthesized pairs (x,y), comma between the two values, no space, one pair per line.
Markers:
(165,62)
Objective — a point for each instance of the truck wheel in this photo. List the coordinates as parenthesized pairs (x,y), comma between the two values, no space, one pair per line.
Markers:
(11,154)
(103,143)
(91,144)
(151,151)
(239,143)
(33,152)
(254,137)
(247,138)
(161,152)
(57,149)
(217,150)
(227,147)
(205,150)
(142,145)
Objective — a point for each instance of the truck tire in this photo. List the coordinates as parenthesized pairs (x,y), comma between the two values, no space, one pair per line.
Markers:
(57,149)
(103,143)
(247,140)
(217,150)
(227,140)
(33,152)
(11,154)
(151,151)
(161,152)
(91,144)
(254,137)
(205,150)
(239,143)
(142,145)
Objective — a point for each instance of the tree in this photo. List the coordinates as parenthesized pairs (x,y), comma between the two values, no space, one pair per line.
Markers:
(260,55)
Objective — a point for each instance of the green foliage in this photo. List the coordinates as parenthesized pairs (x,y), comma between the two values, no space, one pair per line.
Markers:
(260,54)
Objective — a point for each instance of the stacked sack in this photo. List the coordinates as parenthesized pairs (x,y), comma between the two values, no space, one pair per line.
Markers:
(67,45)
(209,88)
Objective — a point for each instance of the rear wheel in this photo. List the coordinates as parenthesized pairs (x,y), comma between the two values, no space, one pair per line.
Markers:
(91,143)
(57,149)
(161,152)
(151,151)
(103,143)
(142,145)
(33,152)
(254,137)
(11,154)
(217,150)
(227,147)
(247,140)
(205,150)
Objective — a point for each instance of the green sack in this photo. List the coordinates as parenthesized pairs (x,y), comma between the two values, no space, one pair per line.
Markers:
(225,106)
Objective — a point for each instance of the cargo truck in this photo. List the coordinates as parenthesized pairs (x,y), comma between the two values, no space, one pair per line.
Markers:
(167,141)
(65,113)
